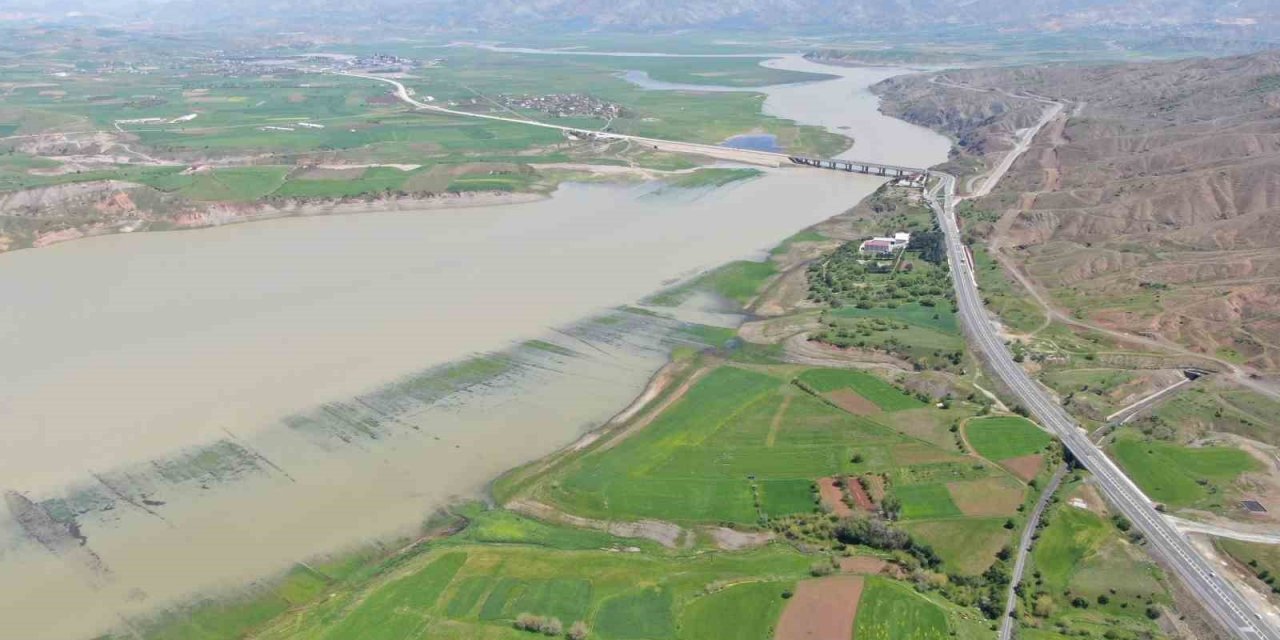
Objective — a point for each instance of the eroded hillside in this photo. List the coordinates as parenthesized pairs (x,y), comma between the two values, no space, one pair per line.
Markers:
(1151,205)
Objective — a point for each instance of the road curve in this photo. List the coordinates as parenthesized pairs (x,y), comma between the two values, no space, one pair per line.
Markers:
(1236,614)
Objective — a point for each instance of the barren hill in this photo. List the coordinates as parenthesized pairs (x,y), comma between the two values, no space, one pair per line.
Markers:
(1152,205)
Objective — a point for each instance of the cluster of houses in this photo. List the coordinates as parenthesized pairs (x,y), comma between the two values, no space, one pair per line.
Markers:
(883,246)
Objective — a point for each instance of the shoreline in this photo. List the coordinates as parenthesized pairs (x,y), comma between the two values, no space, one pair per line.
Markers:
(224,214)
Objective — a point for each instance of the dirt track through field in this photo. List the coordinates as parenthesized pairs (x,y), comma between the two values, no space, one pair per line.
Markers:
(821,609)
(776,424)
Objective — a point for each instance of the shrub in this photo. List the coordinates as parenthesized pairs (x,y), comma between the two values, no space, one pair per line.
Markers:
(579,631)
(820,569)
(529,622)
(551,627)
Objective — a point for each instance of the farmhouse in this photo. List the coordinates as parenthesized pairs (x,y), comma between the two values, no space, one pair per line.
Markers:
(885,245)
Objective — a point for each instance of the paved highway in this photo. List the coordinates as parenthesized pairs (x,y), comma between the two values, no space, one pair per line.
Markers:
(1237,615)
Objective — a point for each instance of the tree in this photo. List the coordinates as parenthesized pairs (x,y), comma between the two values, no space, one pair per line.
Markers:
(891,507)
(579,631)
(1153,613)
(551,627)
(1122,523)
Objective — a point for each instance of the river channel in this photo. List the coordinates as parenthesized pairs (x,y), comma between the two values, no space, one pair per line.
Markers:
(213,406)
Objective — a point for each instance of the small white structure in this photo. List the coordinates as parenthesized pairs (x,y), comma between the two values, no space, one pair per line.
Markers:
(310,125)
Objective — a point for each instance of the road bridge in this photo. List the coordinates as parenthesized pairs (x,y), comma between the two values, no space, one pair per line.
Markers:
(869,168)
(1238,616)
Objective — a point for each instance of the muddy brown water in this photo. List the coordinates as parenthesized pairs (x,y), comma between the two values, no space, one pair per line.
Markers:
(208,407)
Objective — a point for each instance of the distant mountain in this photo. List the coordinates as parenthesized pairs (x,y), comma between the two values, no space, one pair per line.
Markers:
(674,14)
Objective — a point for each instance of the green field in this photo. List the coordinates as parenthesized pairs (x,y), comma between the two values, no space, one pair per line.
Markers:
(745,446)
(925,501)
(1072,535)
(1181,476)
(881,393)
(1263,560)
(741,612)
(967,546)
(1003,295)
(1080,555)
(892,611)
(735,435)
(940,318)
(1004,437)
(466,591)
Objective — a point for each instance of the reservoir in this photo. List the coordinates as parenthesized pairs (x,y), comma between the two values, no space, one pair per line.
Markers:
(215,405)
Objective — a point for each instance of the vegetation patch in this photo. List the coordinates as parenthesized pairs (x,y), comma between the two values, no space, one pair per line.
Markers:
(966,546)
(892,611)
(996,496)
(885,396)
(642,614)
(398,608)
(715,456)
(1003,437)
(737,281)
(926,501)
(1262,560)
(1085,573)
(746,611)
(1181,476)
